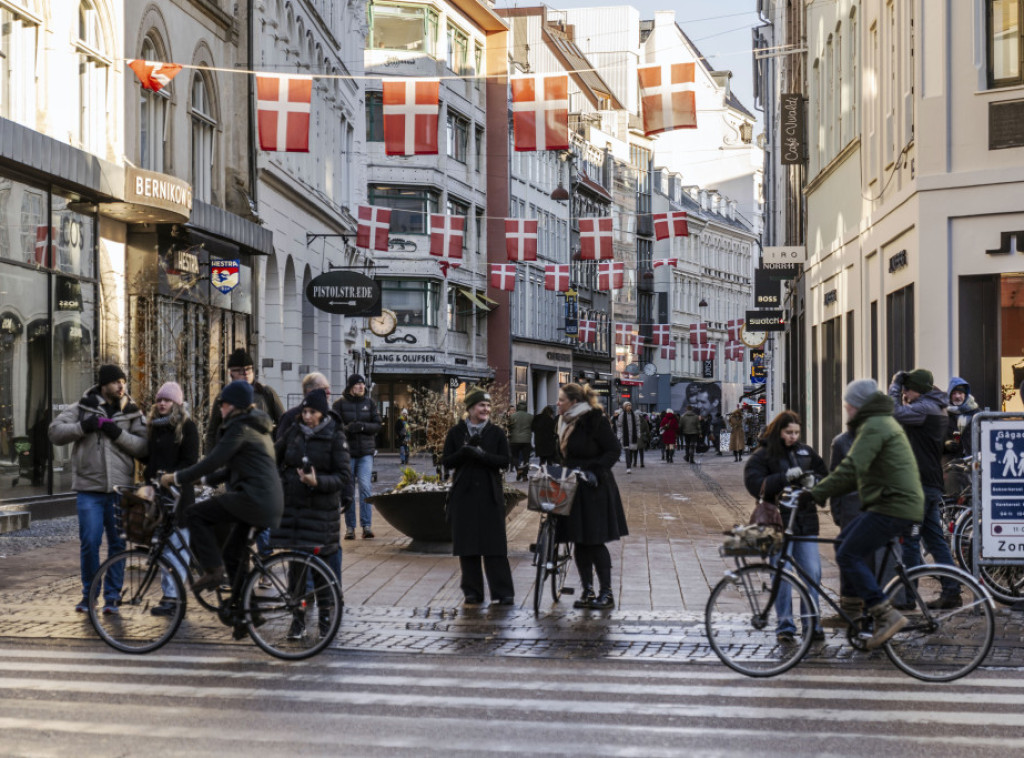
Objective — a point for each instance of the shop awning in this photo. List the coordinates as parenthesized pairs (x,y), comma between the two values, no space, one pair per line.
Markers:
(480,301)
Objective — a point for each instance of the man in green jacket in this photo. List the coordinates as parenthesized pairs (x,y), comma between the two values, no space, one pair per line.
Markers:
(520,433)
(882,468)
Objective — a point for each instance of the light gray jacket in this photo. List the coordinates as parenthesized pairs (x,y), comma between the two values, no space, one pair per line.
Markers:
(98,462)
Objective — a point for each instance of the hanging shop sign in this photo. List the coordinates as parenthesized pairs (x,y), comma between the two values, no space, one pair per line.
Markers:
(69,294)
(758,369)
(790,254)
(708,369)
(348,293)
(572,324)
(794,128)
(782,271)
(224,274)
(767,290)
(765,321)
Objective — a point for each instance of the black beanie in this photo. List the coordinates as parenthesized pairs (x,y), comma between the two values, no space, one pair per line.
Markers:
(240,358)
(317,400)
(238,393)
(109,373)
(354,380)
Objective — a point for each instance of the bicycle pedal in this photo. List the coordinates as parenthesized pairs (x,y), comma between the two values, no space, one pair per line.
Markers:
(533,547)
(568,590)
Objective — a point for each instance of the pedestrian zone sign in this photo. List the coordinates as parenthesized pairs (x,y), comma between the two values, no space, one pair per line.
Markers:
(1002,489)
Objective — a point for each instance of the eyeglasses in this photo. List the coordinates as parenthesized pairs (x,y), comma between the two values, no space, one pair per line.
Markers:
(240,372)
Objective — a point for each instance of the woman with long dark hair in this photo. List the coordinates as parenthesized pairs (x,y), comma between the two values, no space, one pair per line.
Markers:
(781,460)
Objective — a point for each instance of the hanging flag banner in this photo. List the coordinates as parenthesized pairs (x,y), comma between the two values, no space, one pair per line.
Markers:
(667,94)
(411,109)
(623,333)
(670,225)
(446,235)
(734,351)
(503,276)
(556,277)
(224,274)
(374,223)
(587,331)
(596,238)
(735,329)
(572,299)
(540,112)
(668,352)
(154,75)
(610,275)
(521,239)
(445,264)
(282,111)
(666,262)
(661,334)
(699,334)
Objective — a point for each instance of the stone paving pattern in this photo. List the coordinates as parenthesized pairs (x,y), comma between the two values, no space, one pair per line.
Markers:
(401,601)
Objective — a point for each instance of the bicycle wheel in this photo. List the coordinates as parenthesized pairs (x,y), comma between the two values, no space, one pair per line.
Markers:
(963,536)
(742,627)
(562,553)
(136,576)
(299,613)
(540,558)
(1005,583)
(942,644)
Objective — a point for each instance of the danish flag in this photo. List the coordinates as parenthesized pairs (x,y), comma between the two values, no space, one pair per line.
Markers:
(609,275)
(667,93)
(734,351)
(661,334)
(282,109)
(556,277)
(587,331)
(44,246)
(374,223)
(521,239)
(446,235)
(154,75)
(503,276)
(669,351)
(735,328)
(596,238)
(623,333)
(410,116)
(705,352)
(540,112)
(666,262)
(638,343)
(669,225)
(699,334)
(444,264)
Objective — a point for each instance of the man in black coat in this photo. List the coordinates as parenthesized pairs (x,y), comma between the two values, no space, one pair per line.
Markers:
(361,422)
(240,368)
(478,451)
(545,440)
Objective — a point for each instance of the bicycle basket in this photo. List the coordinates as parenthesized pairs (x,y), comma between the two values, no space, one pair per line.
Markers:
(140,515)
(751,540)
(549,494)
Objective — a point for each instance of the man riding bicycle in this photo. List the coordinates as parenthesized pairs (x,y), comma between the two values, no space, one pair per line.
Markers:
(244,458)
(882,468)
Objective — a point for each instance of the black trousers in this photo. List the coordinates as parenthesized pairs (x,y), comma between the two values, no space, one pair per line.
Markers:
(590,558)
(630,456)
(208,518)
(499,576)
(691,445)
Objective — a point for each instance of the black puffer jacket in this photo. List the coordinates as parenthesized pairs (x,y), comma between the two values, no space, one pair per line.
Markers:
(312,516)
(263,397)
(771,472)
(361,422)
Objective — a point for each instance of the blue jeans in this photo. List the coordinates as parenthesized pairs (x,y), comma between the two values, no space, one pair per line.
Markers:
(175,554)
(861,538)
(808,557)
(934,539)
(362,470)
(96,516)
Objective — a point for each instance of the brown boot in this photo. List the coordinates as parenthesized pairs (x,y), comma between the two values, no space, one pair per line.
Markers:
(851,606)
(888,621)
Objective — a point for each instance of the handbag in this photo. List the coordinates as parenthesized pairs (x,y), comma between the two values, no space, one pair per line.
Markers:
(766,513)
(552,490)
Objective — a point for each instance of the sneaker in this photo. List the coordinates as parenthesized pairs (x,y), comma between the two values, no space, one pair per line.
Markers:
(265,583)
(945,602)
(167,607)
(82,607)
(472,600)
(323,622)
(350,533)
(888,621)
(367,533)
(297,630)
(629,471)
(111,610)
(785,638)
(818,635)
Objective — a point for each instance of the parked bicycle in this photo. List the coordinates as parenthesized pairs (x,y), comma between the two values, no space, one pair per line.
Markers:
(289,604)
(937,645)
(551,493)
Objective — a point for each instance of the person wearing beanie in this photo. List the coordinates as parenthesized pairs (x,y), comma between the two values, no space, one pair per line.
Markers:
(361,421)
(478,451)
(173,445)
(243,458)
(241,367)
(880,467)
(920,408)
(310,382)
(107,433)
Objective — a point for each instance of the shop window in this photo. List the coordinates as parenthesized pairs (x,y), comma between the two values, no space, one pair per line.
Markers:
(93,67)
(153,116)
(408,28)
(73,240)
(374,116)
(458,50)
(411,207)
(203,128)
(1004,42)
(414,301)
(458,137)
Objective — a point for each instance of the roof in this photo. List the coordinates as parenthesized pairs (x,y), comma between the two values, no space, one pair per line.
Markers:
(690,205)
(594,187)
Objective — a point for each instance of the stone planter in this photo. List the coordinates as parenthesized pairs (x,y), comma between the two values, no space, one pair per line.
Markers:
(420,515)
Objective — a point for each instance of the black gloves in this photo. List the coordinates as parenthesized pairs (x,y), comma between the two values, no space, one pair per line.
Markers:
(110,429)
(899,377)
(474,452)
(355,427)
(90,423)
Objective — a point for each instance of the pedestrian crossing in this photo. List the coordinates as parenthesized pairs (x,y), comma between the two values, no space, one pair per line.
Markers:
(183,700)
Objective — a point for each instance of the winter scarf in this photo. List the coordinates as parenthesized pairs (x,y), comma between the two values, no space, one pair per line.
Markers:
(567,422)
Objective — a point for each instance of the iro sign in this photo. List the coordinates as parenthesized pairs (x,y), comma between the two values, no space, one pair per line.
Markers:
(791,254)
(346,292)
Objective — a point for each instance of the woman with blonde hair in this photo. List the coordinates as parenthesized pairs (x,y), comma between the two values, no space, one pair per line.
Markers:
(586,441)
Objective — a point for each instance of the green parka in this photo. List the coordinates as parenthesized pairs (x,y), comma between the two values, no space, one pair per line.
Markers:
(880,465)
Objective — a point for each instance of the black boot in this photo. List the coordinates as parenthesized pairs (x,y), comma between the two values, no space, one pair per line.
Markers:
(603,601)
(586,598)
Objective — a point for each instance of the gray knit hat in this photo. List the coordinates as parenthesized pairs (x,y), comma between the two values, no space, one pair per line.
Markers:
(858,391)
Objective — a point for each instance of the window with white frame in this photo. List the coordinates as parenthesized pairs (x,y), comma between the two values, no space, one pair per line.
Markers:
(19,25)
(458,136)
(1005,45)
(204,126)
(93,67)
(409,28)
(153,116)
(458,50)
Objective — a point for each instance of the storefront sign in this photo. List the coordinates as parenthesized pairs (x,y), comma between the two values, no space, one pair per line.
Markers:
(765,321)
(708,369)
(898,261)
(184,261)
(346,292)
(421,359)
(153,190)
(224,275)
(831,297)
(559,357)
(794,128)
(69,294)
(782,271)
(572,326)
(767,290)
(791,254)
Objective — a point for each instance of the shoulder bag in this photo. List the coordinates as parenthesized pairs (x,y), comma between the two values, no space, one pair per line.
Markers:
(766,513)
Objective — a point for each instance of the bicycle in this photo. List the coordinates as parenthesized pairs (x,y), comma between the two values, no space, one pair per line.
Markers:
(551,558)
(271,602)
(1005,583)
(937,645)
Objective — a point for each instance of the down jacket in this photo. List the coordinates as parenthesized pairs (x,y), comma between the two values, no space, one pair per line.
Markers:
(98,462)
(762,469)
(361,422)
(312,515)
(925,422)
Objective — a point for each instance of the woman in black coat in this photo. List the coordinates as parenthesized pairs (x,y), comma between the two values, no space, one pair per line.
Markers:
(545,439)
(478,451)
(782,460)
(587,442)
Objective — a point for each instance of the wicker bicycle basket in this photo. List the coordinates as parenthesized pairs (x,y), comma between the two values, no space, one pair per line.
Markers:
(140,514)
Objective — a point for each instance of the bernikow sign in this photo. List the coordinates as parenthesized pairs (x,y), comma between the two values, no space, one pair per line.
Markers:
(346,292)
(794,129)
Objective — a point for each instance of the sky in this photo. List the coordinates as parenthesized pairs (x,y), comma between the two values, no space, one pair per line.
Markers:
(719,28)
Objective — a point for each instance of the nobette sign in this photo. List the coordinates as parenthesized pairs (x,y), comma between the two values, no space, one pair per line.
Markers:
(346,292)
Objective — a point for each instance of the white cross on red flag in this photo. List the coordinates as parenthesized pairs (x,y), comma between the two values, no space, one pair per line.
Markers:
(661,334)
(282,110)
(521,239)
(596,238)
(638,343)
(666,262)
(610,274)
(667,94)
(410,116)
(540,112)
(444,264)
(154,75)
(705,352)
(446,235)
(734,351)
(668,351)
(374,223)
(699,334)
(735,328)
(44,246)
(587,331)
(503,276)
(623,333)
(556,277)
(669,225)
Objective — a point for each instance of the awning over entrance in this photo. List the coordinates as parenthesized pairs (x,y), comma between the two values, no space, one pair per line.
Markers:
(480,301)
